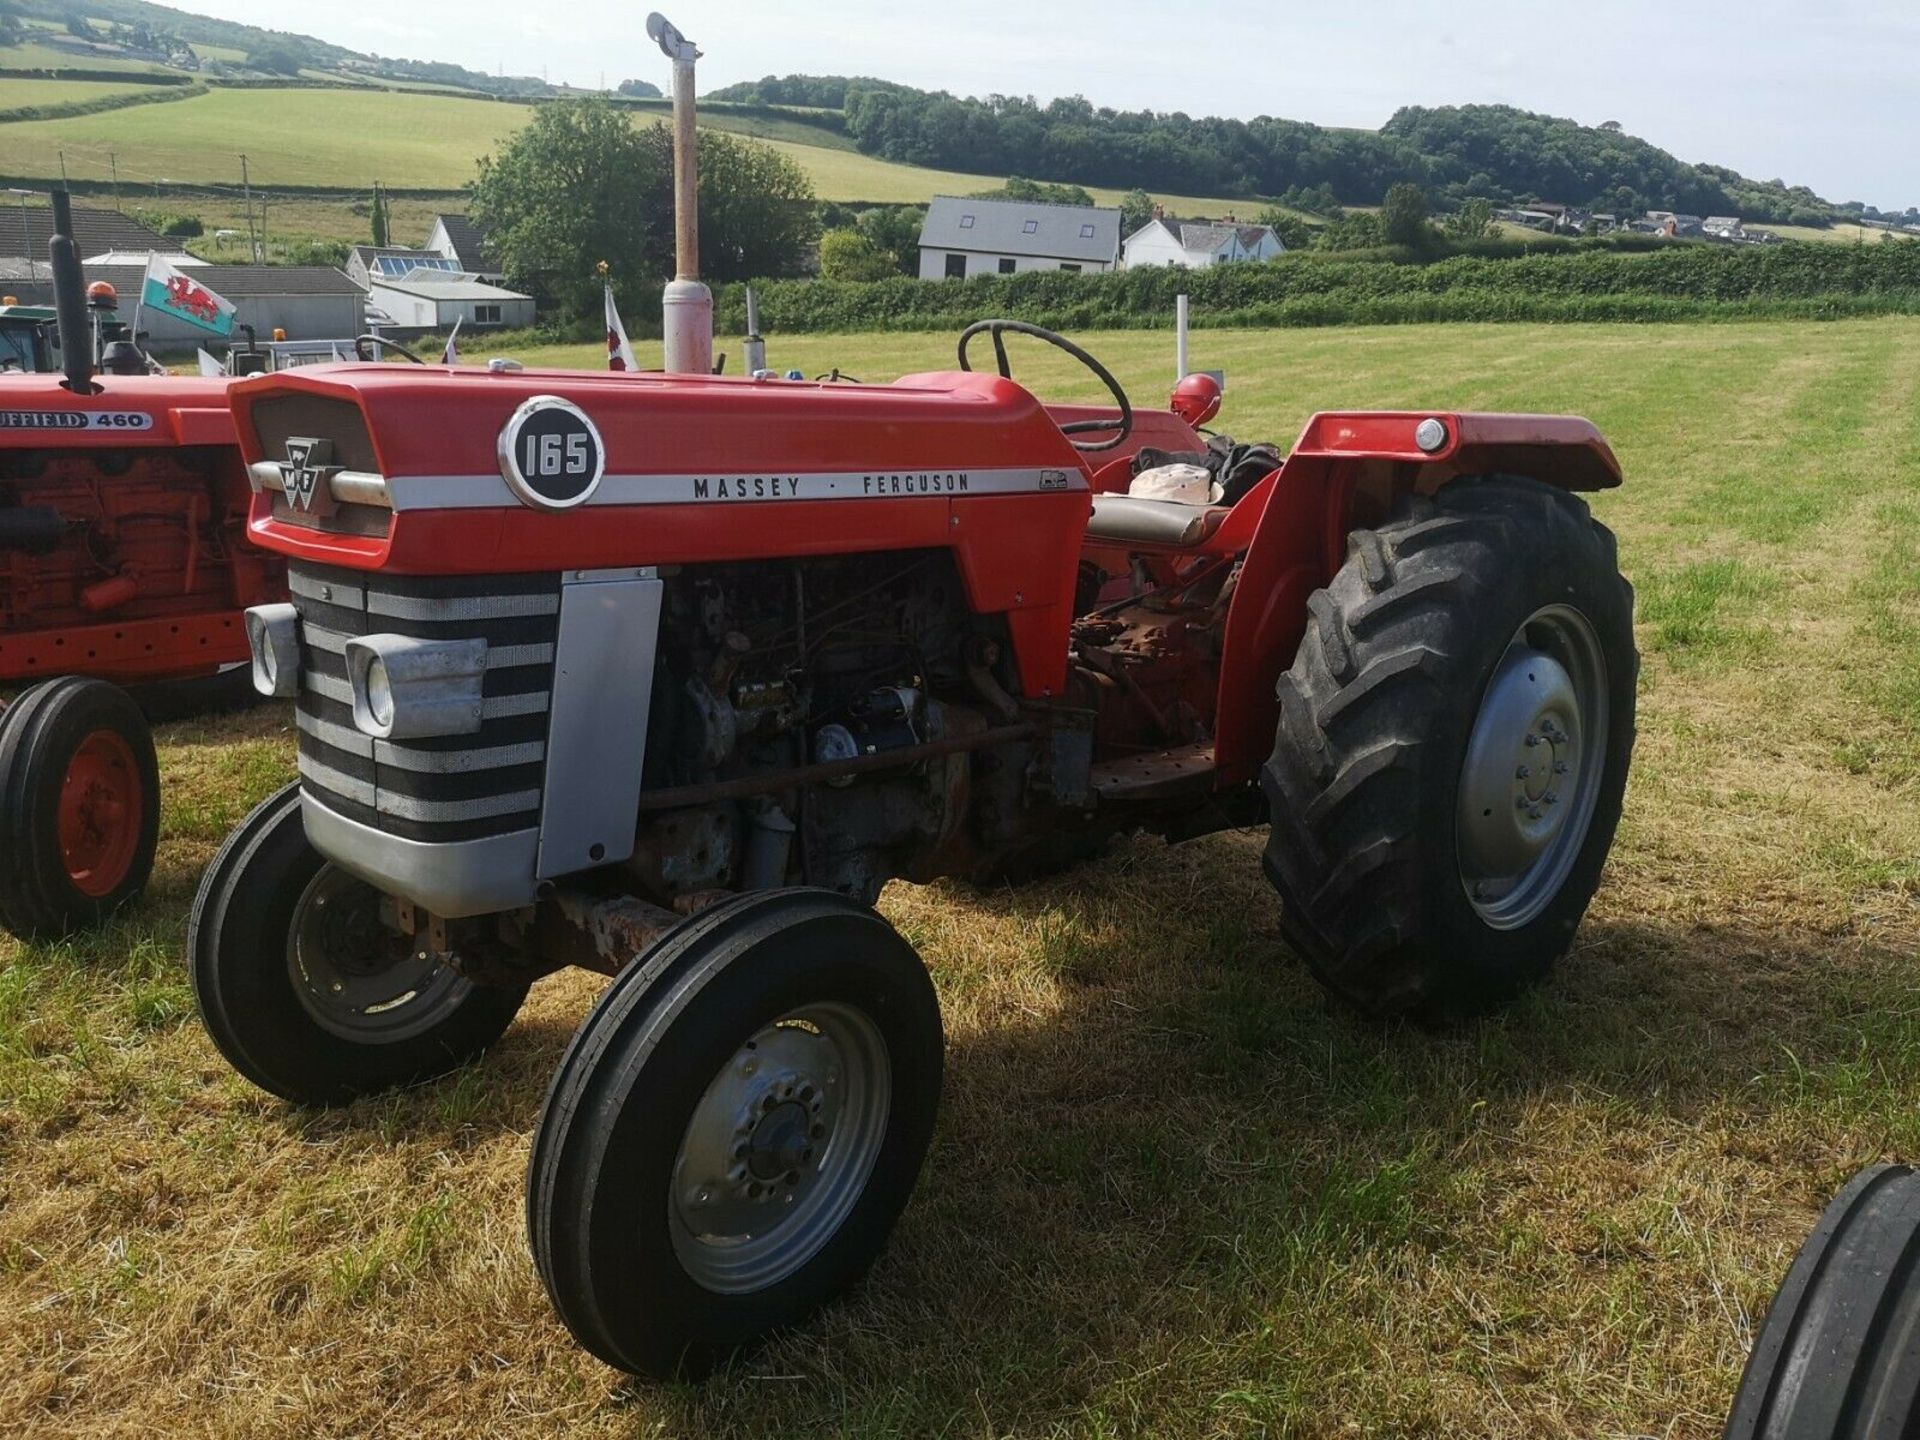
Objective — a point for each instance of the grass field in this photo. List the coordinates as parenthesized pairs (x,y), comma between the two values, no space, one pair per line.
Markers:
(415,141)
(1172,1192)
(15,94)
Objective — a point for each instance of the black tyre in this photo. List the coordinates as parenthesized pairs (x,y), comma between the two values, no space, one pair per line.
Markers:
(1453,747)
(734,1130)
(79,806)
(302,988)
(1839,1354)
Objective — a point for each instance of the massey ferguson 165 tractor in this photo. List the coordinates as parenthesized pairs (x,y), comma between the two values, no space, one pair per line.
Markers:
(667,675)
(123,560)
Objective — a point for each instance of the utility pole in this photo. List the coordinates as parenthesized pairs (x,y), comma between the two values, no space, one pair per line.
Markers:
(246,186)
(63,170)
(263,227)
(114,161)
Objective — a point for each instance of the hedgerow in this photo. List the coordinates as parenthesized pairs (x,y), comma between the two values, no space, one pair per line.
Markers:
(1681,282)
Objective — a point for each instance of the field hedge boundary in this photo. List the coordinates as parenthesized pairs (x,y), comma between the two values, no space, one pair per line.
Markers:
(105,77)
(68,109)
(1793,281)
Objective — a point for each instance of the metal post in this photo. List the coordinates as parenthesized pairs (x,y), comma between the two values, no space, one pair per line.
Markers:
(754,351)
(1179,338)
(686,305)
(26,230)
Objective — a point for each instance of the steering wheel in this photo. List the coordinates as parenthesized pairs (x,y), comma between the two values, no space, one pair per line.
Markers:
(1122,426)
(364,346)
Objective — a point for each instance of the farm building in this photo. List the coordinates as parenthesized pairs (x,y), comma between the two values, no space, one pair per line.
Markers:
(459,239)
(1199,243)
(367,263)
(25,230)
(1000,237)
(423,300)
(309,302)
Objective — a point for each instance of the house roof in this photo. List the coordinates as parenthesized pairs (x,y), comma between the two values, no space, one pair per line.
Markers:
(1204,237)
(231,282)
(455,288)
(1716,222)
(25,232)
(469,245)
(1059,232)
(367,254)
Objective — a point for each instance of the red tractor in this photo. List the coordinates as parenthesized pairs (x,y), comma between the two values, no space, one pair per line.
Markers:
(667,675)
(123,560)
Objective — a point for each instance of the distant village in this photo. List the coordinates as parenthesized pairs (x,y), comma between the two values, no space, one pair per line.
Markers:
(1568,220)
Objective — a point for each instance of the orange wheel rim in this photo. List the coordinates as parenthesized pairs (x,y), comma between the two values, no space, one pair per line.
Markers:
(102,808)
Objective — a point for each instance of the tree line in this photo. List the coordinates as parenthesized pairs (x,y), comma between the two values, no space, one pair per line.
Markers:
(1455,153)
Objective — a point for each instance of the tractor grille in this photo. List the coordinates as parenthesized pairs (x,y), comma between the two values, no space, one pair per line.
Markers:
(459,787)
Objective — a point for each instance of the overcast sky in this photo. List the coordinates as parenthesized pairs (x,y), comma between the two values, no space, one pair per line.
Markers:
(1818,92)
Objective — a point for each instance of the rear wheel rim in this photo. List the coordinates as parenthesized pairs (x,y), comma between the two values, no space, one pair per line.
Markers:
(358,979)
(779,1149)
(102,809)
(1535,760)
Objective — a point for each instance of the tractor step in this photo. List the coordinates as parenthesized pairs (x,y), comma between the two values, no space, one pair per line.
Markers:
(1157,775)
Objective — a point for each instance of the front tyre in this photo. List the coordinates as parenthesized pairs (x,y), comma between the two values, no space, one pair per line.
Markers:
(302,987)
(734,1130)
(79,806)
(1453,747)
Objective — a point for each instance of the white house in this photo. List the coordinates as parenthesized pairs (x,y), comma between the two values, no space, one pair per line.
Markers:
(459,239)
(1198,243)
(423,301)
(1002,237)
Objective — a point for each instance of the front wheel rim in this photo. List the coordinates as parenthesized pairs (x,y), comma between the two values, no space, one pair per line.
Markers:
(779,1149)
(1531,779)
(356,978)
(102,810)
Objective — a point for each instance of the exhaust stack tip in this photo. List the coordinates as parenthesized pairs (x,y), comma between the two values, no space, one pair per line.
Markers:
(70,300)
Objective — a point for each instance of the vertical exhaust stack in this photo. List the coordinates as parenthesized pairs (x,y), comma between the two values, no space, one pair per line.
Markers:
(687,305)
(70,300)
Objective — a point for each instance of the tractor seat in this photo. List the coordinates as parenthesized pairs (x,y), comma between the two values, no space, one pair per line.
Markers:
(1132,520)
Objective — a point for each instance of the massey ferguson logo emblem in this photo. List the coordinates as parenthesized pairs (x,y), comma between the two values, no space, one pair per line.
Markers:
(306,473)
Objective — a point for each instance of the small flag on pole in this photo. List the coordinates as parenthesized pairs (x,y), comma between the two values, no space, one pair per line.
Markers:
(451,355)
(210,366)
(172,290)
(619,352)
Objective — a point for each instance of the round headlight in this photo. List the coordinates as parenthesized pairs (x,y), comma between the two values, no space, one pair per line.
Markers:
(379,693)
(1430,434)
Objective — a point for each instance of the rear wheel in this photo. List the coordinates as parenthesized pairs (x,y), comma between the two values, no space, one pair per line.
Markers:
(1837,1356)
(79,806)
(734,1130)
(304,989)
(1453,747)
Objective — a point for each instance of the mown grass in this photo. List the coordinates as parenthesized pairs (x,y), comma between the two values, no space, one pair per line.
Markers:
(1173,1191)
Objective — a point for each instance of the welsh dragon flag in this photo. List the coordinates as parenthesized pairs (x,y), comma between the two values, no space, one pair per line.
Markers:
(619,352)
(174,291)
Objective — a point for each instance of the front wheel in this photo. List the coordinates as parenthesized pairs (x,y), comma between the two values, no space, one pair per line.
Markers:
(305,990)
(1453,747)
(79,806)
(733,1130)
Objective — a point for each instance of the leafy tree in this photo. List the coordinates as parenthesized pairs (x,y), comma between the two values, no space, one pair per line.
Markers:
(1356,230)
(1294,232)
(1472,221)
(849,255)
(580,184)
(382,225)
(277,58)
(643,89)
(894,230)
(1403,217)
(1033,191)
(1136,209)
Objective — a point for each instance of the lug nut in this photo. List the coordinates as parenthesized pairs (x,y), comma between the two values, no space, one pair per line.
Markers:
(1560,767)
(1523,772)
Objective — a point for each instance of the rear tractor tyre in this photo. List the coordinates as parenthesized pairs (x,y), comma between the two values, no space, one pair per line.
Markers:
(1837,1358)
(734,1130)
(1452,749)
(79,806)
(302,987)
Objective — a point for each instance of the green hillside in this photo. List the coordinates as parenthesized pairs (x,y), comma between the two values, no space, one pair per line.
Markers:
(349,138)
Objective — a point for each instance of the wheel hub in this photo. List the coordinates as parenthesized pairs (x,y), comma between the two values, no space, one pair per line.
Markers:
(100,813)
(779,1148)
(1531,773)
(358,979)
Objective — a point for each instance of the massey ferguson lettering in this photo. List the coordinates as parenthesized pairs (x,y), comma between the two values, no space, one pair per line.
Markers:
(746,487)
(924,482)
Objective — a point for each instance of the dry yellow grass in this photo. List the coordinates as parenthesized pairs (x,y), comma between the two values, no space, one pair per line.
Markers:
(1172,1191)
